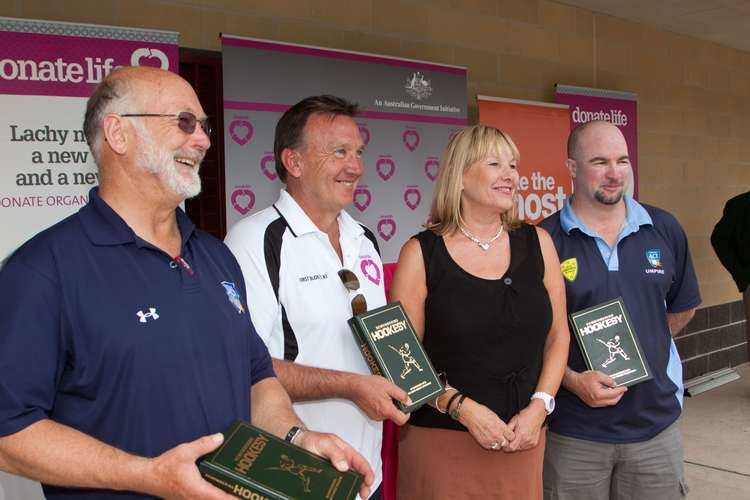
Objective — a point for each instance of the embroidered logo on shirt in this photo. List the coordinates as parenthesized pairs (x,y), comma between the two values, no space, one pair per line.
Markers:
(313,277)
(144,317)
(569,268)
(233,295)
(653,257)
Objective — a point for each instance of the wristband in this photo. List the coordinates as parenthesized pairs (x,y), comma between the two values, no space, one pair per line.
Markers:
(450,401)
(294,433)
(456,414)
(437,400)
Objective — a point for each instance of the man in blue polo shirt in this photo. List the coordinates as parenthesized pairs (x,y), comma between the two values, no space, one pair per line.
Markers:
(606,441)
(125,341)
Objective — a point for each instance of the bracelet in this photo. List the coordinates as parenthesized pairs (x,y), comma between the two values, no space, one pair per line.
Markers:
(456,414)
(294,433)
(457,395)
(437,400)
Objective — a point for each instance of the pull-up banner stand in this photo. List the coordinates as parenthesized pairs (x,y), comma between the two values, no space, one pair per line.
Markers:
(47,72)
(540,131)
(614,106)
(409,110)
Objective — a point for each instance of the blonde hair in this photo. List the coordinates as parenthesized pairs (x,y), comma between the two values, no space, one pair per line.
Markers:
(465,148)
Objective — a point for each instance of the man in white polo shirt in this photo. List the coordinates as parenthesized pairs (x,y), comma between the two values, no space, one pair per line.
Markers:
(294,256)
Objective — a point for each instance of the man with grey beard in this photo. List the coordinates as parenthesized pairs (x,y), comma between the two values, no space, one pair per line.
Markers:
(125,341)
(607,441)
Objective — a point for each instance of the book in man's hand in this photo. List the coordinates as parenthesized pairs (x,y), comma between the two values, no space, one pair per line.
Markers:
(609,343)
(256,465)
(391,348)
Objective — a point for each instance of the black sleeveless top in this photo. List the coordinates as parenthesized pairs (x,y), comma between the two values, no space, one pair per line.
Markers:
(487,335)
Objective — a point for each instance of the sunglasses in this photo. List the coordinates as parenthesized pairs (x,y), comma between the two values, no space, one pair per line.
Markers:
(351,283)
(186,121)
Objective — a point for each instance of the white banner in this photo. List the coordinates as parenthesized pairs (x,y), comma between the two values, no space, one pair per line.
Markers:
(47,72)
(409,110)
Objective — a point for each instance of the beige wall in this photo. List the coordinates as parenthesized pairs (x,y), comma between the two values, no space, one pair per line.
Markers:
(693,96)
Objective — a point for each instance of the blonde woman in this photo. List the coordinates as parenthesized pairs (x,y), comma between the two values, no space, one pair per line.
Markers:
(485,294)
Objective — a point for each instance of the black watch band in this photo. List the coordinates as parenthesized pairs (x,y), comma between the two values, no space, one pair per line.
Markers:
(293,433)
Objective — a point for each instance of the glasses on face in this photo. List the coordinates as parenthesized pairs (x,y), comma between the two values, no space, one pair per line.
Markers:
(186,121)
(351,283)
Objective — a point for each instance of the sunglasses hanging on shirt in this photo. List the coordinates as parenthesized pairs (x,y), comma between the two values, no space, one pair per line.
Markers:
(351,283)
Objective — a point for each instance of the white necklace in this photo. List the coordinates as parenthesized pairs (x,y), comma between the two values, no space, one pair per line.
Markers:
(484,245)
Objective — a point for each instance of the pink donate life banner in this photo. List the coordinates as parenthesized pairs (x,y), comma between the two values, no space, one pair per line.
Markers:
(614,106)
(47,72)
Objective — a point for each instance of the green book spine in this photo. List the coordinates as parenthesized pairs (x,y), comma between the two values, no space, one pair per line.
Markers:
(364,348)
(391,348)
(254,464)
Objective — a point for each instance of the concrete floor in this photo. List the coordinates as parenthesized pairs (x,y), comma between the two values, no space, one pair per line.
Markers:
(716,434)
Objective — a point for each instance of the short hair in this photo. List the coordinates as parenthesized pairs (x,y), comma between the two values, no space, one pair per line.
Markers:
(109,95)
(466,147)
(290,127)
(575,136)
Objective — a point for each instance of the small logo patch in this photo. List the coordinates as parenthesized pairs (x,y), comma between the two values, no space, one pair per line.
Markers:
(144,317)
(653,257)
(569,268)
(233,295)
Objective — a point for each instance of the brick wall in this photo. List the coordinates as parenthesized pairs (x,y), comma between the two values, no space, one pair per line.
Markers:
(714,339)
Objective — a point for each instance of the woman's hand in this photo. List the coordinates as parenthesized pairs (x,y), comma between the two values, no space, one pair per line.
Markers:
(527,425)
(485,426)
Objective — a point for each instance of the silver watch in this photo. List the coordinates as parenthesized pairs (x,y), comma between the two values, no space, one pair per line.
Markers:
(548,399)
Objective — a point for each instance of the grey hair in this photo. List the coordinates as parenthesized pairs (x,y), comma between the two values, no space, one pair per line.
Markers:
(110,96)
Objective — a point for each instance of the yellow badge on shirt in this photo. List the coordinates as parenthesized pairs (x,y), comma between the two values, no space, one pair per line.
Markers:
(569,268)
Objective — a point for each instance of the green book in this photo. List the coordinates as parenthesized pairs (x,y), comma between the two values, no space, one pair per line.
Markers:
(609,344)
(391,348)
(254,464)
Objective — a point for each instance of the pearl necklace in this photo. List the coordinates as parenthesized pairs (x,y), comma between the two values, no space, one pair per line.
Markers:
(484,245)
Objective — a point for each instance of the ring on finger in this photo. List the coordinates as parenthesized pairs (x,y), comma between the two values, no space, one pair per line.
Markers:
(495,445)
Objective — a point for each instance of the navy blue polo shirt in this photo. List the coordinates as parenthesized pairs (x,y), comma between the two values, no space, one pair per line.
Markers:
(650,267)
(103,332)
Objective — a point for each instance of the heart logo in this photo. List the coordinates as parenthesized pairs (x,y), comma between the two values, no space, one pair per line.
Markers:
(431,167)
(240,130)
(385,168)
(362,198)
(365,133)
(153,58)
(386,228)
(411,139)
(412,197)
(243,200)
(371,270)
(268,171)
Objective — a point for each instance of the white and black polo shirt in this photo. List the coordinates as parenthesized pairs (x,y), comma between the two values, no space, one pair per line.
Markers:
(300,307)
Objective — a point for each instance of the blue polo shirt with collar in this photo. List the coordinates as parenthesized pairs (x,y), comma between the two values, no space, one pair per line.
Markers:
(650,267)
(105,333)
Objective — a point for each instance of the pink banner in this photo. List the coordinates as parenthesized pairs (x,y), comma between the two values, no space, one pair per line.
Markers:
(55,65)
(616,107)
